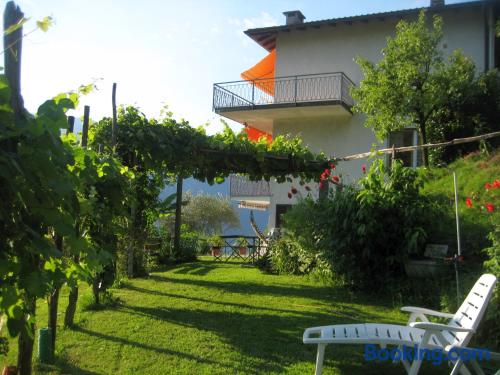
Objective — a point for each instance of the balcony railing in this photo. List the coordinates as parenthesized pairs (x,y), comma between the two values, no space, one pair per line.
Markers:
(283,91)
(240,186)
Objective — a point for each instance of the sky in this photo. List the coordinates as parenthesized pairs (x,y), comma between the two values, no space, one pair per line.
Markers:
(159,52)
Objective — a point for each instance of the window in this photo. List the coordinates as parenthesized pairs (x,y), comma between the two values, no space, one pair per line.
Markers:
(403,138)
(280,210)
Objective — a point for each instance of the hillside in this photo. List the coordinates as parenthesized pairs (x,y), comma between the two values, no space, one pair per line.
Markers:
(473,172)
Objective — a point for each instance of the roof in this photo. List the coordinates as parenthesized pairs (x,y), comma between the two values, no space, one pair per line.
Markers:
(266,36)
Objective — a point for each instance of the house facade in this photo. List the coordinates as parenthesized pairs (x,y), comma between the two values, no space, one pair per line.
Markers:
(302,87)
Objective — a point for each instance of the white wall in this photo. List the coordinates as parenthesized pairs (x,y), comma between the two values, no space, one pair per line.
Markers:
(333,49)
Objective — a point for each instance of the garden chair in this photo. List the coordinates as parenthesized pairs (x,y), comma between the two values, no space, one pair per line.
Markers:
(420,334)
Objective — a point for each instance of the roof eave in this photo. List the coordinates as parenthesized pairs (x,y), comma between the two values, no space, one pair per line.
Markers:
(266,36)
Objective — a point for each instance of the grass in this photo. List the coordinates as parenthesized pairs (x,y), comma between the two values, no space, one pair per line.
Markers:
(215,318)
(473,171)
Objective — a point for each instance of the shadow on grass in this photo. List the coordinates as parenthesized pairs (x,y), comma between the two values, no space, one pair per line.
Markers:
(222,303)
(62,366)
(135,344)
(199,268)
(323,293)
(273,342)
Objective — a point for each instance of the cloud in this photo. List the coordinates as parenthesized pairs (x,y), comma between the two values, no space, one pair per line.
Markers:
(264,20)
(242,24)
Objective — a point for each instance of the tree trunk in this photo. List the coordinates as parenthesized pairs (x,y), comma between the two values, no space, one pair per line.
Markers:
(130,248)
(425,151)
(54,300)
(178,217)
(69,316)
(53,304)
(26,340)
(96,289)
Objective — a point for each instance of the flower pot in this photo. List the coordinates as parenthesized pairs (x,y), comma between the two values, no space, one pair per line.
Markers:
(243,251)
(216,251)
(9,370)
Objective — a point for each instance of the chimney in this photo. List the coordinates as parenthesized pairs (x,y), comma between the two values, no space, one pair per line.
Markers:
(294,17)
(437,3)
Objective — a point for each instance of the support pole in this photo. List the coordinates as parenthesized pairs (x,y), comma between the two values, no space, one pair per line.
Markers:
(178,217)
(113,126)
(85,130)
(71,124)
(459,247)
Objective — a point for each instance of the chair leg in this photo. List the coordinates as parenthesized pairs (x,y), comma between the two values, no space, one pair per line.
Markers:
(460,368)
(319,358)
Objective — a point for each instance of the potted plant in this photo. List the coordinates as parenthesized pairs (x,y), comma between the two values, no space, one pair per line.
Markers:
(242,246)
(216,243)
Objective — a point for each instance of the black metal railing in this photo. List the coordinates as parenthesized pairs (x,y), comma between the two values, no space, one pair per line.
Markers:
(233,247)
(282,91)
(241,186)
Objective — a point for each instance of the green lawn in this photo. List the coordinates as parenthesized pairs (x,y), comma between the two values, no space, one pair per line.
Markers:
(216,318)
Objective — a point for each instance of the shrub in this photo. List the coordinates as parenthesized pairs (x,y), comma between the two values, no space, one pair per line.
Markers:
(491,329)
(364,233)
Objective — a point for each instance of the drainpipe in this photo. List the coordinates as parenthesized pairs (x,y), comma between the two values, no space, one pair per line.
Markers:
(490,21)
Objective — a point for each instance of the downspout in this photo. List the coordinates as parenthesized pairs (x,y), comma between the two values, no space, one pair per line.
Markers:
(490,38)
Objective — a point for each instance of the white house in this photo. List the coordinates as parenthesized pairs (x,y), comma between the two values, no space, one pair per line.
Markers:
(302,86)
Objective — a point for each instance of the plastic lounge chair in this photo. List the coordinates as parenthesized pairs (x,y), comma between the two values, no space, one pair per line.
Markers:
(424,334)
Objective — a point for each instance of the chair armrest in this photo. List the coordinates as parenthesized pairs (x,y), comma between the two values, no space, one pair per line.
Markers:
(420,310)
(439,327)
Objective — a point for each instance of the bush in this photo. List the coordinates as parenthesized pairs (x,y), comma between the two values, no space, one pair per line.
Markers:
(491,329)
(363,234)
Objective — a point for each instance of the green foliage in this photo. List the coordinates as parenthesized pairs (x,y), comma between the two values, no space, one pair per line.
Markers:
(209,214)
(4,346)
(412,82)
(473,171)
(37,200)
(215,241)
(289,257)
(177,148)
(492,265)
(473,112)
(363,234)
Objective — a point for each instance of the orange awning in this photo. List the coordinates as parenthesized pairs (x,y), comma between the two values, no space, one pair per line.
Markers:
(263,72)
(255,134)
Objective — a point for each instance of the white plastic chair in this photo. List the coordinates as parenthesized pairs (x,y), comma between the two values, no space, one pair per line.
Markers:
(424,334)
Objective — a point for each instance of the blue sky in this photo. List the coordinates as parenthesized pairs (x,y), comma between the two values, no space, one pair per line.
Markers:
(158,52)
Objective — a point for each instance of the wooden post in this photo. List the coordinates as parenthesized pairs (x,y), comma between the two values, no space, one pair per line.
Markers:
(85,130)
(13,43)
(113,127)
(12,62)
(178,218)
(71,124)
(393,155)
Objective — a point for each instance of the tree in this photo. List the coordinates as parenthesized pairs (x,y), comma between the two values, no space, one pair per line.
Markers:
(413,81)
(209,214)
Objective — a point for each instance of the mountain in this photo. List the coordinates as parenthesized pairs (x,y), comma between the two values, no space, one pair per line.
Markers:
(198,187)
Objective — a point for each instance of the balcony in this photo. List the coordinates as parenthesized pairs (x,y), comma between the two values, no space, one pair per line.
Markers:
(260,102)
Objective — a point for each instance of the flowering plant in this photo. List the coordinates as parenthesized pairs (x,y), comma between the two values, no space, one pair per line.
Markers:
(487,201)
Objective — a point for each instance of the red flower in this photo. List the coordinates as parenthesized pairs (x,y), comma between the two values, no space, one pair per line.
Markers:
(321,184)
(468,202)
(496,184)
(487,186)
(363,168)
(290,195)
(489,207)
(335,179)
(327,172)
(332,166)
(294,191)
(307,188)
